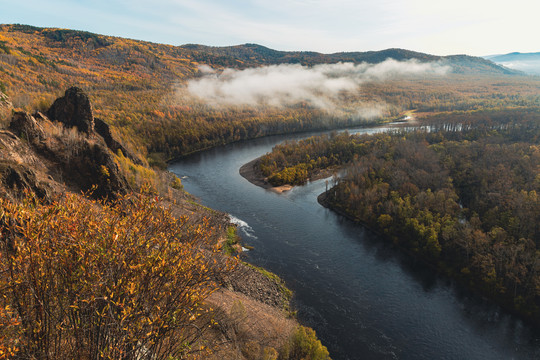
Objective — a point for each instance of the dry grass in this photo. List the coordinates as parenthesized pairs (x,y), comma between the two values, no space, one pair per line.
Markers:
(248,329)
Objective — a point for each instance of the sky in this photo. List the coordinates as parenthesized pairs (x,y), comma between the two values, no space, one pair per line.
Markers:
(473,27)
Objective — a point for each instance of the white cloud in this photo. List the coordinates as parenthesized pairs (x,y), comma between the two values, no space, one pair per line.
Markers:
(321,86)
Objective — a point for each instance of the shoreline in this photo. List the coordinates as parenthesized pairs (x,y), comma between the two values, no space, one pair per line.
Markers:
(250,171)
(461,282)
(253,174)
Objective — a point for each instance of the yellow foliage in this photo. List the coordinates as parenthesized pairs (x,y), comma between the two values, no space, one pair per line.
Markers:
(83,279)
(137,175)
(304,345)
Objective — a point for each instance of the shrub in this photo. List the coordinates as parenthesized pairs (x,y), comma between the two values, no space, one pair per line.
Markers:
(83,279)
(229,247)
(138,176)
(176,183)
(304,345)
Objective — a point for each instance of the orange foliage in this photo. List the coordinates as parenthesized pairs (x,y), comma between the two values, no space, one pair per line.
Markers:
(134,86)
(82,279)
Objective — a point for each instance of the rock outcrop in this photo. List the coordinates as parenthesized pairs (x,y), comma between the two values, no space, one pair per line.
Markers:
(25,126)
(15,178)
(81,160)
(73,109)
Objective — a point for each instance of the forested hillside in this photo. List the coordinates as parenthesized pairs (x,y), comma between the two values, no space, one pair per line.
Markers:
(140,87)
(253,55)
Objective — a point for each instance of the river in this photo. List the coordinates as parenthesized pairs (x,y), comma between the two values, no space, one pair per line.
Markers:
(364,298)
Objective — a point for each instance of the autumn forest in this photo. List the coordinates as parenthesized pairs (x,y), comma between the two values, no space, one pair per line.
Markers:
(96,237)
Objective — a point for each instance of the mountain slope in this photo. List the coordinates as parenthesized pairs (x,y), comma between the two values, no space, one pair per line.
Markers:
(253,54)
(179,60)
(140,88)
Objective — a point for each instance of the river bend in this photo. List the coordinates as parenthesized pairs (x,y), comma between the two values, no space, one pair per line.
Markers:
(364,298)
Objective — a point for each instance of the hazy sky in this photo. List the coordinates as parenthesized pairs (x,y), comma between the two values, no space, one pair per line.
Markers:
(474,27)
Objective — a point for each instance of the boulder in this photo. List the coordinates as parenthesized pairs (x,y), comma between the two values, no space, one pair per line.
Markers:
(17,177)
(73,109)
(25,126)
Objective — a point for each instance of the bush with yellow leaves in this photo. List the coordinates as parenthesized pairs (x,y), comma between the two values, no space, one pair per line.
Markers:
(88,280)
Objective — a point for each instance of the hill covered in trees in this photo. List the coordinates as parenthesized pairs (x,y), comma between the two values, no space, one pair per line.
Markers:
(141,88)
(256,55)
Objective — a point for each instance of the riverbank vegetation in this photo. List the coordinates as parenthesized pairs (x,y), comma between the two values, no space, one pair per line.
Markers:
(462,197)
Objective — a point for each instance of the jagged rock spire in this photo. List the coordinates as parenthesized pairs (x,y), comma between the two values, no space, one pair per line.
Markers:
(73,109)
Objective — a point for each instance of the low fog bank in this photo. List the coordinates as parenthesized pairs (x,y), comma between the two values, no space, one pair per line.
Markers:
(529,67)
(330,87)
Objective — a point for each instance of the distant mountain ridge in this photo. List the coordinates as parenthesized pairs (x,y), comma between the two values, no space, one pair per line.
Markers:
(514,56)
(114,50)
(254,54)
(526,62)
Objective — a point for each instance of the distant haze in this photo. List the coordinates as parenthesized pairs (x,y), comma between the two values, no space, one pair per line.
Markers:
(320,86)
(527,62)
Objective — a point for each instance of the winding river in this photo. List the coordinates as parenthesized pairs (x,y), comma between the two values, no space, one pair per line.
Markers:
(364,298)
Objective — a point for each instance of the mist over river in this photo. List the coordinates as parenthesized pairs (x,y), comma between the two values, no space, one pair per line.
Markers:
(363,297)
